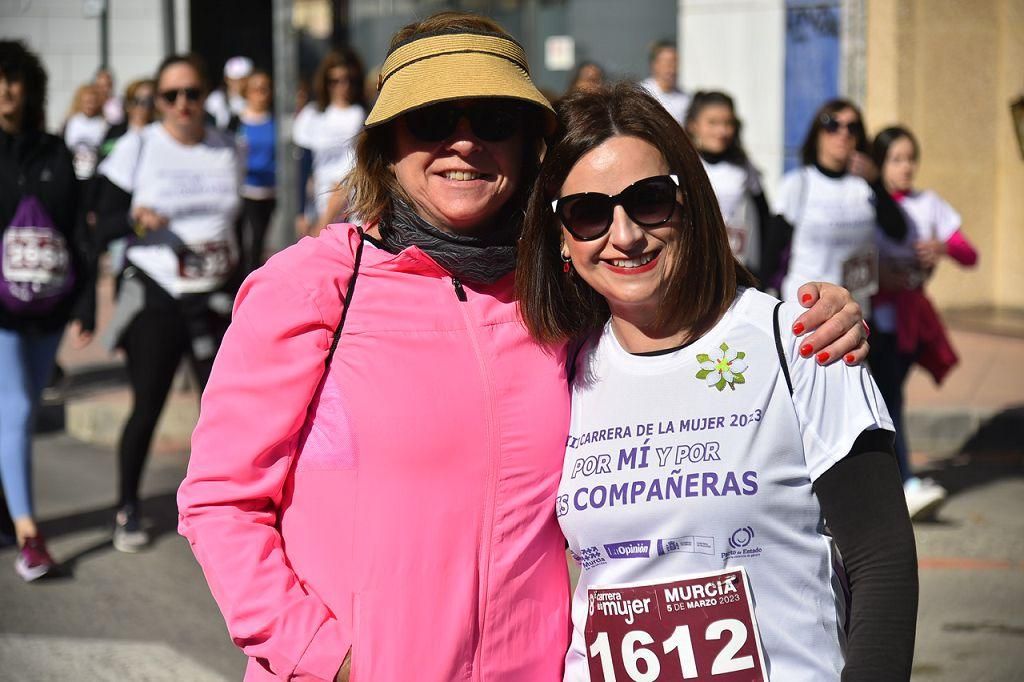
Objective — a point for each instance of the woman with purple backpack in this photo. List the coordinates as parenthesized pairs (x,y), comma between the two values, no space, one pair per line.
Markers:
(43,270)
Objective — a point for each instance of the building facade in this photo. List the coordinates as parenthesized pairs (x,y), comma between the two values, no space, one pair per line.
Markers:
(948,69)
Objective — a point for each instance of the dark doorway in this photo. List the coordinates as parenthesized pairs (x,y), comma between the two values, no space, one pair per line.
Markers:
(222,29)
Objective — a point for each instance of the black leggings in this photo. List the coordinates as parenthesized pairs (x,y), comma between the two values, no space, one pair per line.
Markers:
(890,368)
(252,233)
(154,344)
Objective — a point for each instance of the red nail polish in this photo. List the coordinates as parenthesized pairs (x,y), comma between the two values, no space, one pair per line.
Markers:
(806,350)
(849,359)
(806,298)
(798,328)
(823,357)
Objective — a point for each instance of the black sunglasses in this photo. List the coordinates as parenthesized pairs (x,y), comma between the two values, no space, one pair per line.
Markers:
(142,102)
(649,203)
(490,121)
(831,125)
(191,94)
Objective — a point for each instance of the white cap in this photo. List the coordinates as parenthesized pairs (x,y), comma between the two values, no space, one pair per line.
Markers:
(238,67)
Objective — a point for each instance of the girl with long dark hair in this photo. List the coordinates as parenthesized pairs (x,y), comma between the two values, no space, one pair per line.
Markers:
(908,327)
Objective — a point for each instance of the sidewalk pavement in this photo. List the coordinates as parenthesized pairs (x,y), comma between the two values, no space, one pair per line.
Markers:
(982,398)
(981,403)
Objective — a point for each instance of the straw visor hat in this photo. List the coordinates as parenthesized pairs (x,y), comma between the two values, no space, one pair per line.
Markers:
(438,67)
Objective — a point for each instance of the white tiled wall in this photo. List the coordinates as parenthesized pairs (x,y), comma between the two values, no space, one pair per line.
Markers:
(69,44)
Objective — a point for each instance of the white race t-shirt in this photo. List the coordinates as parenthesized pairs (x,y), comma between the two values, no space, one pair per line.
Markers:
(683,463)
(675,101)
(834,226)
(331,136)
(928,216)
(197,188)
(735,186)
(83,135)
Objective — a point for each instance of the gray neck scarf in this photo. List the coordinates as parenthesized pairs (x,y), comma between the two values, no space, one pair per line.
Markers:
(483,259)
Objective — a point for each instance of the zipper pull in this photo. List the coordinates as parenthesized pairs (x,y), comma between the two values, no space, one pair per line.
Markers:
(460,293)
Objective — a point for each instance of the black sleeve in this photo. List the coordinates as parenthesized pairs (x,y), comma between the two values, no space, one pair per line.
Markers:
(84,309)
(113,213)
(888,214)
(866,512)
(764,216)
(774,242)
(82,300)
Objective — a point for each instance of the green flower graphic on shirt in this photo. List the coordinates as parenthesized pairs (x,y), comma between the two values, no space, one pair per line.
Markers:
(723,368)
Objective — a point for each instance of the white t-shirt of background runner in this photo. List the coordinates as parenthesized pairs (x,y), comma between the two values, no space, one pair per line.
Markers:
(331,136)
(83,135)
(928,217)
(196,187)
(672,470)
(735,186)
(833,220)
(675,101)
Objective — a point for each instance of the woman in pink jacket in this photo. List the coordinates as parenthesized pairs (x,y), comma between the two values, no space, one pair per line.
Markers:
(372,480)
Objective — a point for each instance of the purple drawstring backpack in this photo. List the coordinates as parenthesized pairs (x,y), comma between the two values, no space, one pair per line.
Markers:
(35,263)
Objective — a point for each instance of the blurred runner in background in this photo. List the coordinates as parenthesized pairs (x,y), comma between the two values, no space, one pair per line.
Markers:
(908,328)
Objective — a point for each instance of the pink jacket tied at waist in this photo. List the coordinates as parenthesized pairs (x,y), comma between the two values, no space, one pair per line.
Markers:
(403,504)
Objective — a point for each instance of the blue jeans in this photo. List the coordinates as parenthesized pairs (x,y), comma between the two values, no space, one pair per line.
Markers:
(26,361)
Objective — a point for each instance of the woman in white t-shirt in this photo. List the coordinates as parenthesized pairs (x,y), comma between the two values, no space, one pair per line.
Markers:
(329,125)
(85,129)
(704,455)
(829,209)
(908,328)
(173,188)
(715,131)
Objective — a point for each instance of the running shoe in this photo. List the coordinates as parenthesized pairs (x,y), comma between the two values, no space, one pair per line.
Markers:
(129,536)
(924,497)
(33,560)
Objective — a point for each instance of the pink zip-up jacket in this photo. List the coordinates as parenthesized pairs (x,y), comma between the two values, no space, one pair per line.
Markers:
(403,504)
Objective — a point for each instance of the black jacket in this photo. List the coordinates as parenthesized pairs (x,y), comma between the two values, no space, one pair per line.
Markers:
(38,163)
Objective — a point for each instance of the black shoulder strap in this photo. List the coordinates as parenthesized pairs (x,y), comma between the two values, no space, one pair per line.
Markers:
(348,298)
(778,348)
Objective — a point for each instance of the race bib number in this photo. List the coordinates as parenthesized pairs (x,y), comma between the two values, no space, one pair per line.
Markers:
(695,628)
(35,255)
(737,240)
(860,273)
(208,260)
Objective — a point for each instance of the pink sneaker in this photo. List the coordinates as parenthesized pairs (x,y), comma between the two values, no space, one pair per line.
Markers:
(33,560)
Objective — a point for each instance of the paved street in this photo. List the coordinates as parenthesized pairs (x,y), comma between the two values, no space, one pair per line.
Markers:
(115,617)
(110,616)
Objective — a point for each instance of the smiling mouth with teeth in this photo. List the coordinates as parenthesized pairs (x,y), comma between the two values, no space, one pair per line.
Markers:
(637,262)
(462,175)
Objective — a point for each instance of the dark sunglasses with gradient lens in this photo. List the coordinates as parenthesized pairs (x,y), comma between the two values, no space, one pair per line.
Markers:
(490,121)
(191,94)
(831,125)
(649,203)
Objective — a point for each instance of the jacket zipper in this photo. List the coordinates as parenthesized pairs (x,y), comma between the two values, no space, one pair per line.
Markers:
(487,522)
(460,293)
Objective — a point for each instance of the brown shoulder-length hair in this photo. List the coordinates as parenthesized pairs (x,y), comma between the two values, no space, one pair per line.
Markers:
(702,282)
(347,58)
(371,185)
(809,149)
